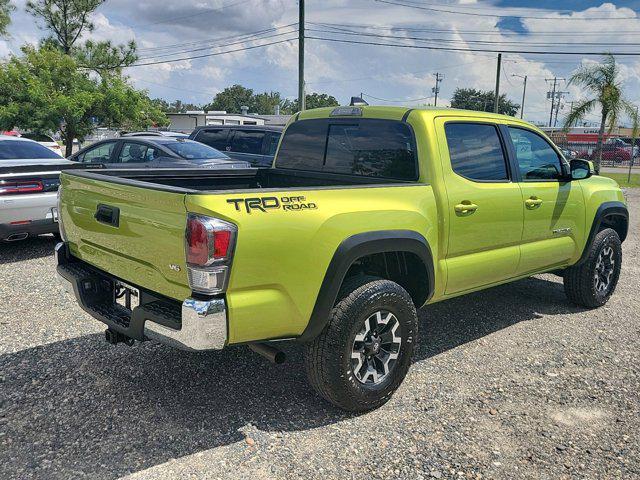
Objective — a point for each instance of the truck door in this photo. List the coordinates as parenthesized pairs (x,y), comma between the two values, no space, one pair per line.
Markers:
(484,205)
(554,212)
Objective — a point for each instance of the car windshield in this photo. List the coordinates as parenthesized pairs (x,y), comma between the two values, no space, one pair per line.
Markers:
(194,150)
(15,149)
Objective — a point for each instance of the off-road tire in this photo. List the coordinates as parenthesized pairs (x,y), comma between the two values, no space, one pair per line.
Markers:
(328,357)
(579,280)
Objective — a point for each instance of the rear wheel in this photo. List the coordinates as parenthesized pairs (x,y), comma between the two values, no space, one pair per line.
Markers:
(592,283)
(364,352)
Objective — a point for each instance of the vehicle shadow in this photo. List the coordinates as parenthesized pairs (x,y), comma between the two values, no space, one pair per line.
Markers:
(83,408)
(29,249)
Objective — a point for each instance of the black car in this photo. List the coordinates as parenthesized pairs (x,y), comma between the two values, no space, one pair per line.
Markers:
(254,144)
(155,152)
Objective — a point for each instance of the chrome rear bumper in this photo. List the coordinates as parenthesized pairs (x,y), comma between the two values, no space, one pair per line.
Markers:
(202,323)
(204,326)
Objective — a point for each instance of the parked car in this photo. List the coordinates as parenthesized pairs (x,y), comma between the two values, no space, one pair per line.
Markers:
(154,152)
(353,229)
(254,144)
(156,133)
(29,179)
(45,140)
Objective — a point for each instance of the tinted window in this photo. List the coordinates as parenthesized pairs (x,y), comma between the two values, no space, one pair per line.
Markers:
(536,158)
(475,151)
(15,149)
(375,148)
(194,150)
(272,143)
(137,153)
(247,141)
(214,138)
(303,145)
(98,154)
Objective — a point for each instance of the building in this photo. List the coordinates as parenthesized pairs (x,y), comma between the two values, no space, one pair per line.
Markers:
(186,122)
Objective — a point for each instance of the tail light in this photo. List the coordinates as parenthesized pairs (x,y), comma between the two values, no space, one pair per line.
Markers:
(23,186)
(209,250)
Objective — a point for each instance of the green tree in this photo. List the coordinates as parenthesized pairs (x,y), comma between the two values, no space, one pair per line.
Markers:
(5,16)
(603,83)
(482,101)
(67,20)
(44,90)
(231,99)
(315,100)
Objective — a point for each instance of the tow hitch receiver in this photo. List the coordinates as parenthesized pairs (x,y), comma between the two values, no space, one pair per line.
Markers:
(113,337)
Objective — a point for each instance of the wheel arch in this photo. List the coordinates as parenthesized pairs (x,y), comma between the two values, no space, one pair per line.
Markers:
(360,246)
(613,215)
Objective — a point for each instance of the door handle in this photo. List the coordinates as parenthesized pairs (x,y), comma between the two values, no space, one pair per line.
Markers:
(466,207)
(533,202)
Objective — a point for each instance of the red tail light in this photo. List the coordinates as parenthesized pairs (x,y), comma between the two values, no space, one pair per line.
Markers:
(209,240)
(9,188)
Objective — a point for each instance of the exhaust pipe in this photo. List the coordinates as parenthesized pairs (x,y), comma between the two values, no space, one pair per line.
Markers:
(270,353)
(14,237)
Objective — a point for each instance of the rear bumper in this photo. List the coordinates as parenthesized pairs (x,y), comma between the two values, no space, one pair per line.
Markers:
(196,324)
(20,231)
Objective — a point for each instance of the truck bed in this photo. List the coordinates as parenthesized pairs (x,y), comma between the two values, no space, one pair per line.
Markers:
(199,180)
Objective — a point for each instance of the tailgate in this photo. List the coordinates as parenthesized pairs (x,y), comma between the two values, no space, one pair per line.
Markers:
(134,233)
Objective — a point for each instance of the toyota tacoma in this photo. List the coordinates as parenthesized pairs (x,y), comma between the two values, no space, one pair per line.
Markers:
(367,214)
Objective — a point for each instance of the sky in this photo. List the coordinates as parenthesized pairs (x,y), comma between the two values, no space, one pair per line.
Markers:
(386,75)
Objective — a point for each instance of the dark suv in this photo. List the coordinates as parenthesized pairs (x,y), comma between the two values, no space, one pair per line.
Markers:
(254,144)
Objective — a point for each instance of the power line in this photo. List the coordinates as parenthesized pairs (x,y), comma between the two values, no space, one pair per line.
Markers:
(474,32)
(496,15)
(174,18)
(217,46)
(459,49)
(210,54)
(489,42)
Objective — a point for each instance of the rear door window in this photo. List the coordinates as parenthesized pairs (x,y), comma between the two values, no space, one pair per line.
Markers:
(216,138)
(133,152)
(247,141)
(476,151)
(366,147)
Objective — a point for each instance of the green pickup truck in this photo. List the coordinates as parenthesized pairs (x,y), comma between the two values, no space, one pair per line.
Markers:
(367,214)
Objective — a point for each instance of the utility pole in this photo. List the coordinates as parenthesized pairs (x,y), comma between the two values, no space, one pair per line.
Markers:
(436,89)
(497,96)
(552,94)
(301,99)
(524,93)
(560,96)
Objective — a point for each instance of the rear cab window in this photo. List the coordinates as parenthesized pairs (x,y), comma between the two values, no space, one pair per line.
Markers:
(362,146)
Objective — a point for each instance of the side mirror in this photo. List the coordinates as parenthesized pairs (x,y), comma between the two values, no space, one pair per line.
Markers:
(581,169)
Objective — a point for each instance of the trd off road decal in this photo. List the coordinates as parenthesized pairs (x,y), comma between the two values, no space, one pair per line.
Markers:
(263,204)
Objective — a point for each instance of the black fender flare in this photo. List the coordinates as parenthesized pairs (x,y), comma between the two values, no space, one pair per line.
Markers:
(353,248)
(607,209)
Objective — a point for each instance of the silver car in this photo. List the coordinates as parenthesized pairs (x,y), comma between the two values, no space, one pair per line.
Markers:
(29,181)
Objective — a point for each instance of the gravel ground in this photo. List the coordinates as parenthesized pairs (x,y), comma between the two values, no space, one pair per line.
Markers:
(512,382)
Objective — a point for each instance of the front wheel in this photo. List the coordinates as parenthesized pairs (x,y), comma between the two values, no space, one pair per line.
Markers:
(364,352)
(592,283)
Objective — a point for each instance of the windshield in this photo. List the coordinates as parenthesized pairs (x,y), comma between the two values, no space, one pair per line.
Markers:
(12,150)
(194,150)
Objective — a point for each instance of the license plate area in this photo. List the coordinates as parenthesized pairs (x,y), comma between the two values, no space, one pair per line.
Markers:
(126,295)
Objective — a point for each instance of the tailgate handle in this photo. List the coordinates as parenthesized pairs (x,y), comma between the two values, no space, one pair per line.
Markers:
(108,215)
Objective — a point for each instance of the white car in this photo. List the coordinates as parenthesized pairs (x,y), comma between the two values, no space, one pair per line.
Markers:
(29,181)
(45,140)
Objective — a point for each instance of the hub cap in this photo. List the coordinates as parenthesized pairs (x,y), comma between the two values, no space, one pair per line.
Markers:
(605,265)
(376,348)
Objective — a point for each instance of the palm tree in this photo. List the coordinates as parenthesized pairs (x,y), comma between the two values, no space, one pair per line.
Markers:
(603,82)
